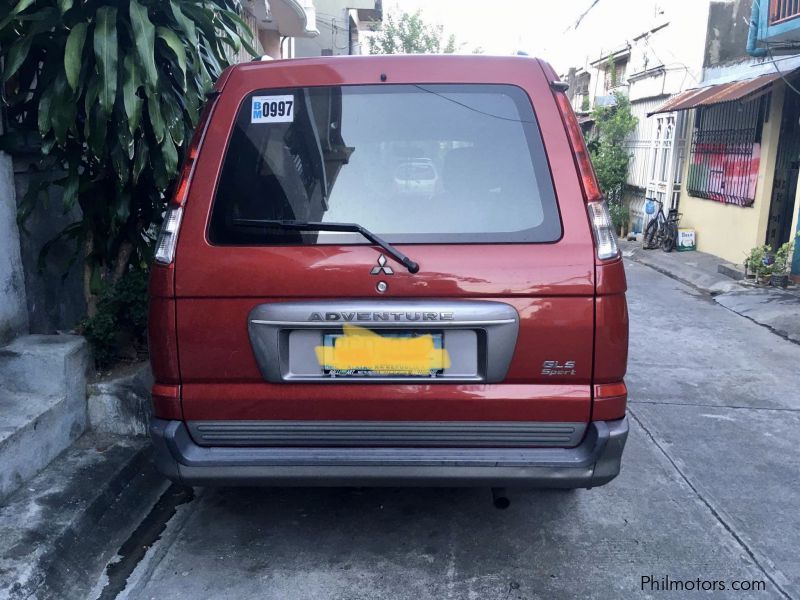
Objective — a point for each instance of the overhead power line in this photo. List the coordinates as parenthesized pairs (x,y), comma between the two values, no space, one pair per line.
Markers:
(582,16)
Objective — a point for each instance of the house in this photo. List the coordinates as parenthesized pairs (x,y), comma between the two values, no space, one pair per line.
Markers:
(341,25)
(739,182)
(718,109)
(297,28)
(653,55)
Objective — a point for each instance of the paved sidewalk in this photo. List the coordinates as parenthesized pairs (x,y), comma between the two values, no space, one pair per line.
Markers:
(697,269)
(60,529)
(774,308)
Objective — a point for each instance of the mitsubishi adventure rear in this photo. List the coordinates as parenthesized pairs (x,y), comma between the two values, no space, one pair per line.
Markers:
(389,270)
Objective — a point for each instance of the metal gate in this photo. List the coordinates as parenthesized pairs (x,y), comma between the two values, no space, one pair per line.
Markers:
(787,167)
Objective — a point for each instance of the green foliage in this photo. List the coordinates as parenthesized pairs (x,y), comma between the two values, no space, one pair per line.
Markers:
(585,104)
(407,33)
(755,263)
(620,214)
(114,88)
(763,262)
(118,327)
(611,69)
(783,257)
(609,155)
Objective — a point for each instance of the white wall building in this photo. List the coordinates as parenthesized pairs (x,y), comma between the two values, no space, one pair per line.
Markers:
(340,25)
(296,28)
(655,51)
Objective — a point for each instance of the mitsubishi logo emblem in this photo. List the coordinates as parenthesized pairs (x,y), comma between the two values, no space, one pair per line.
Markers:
(381,267)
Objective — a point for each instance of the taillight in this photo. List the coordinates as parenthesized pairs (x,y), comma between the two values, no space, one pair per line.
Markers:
(605,238)
(168,236)
(591,190)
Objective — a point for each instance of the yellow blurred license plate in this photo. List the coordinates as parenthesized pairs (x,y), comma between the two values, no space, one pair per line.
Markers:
(358,351)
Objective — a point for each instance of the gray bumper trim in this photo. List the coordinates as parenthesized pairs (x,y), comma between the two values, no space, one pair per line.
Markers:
(453,434)
(595,461)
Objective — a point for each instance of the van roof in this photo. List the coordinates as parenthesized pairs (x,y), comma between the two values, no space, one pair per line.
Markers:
(398,68)
(380,59)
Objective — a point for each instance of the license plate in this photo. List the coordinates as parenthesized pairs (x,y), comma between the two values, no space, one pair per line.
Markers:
(360,352)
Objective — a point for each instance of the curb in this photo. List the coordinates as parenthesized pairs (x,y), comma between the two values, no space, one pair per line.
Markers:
(55,543)
(700,280)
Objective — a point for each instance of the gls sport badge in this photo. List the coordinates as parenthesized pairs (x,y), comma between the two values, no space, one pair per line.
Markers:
(554,367)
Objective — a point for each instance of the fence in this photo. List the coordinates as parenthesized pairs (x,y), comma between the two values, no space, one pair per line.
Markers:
(641,143)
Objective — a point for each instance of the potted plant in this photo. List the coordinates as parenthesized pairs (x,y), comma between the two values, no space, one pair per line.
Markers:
(779,276)
(758,263)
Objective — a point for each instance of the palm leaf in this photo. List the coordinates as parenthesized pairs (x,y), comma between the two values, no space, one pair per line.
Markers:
(73,53)
(17,53)
(105,52)
(130,86)
(174,44)
(144,35)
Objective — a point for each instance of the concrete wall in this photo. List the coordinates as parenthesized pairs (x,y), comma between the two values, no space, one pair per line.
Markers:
(726,36)
(270,41)
(334,31)
(13,310)
(730,231)
(55,295)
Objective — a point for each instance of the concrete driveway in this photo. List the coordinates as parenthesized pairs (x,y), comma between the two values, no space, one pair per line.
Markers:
(709,496)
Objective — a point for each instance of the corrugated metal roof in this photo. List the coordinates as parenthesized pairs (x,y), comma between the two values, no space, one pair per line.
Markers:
(715,94)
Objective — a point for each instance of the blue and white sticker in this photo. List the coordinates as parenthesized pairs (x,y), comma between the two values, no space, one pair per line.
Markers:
(272,109)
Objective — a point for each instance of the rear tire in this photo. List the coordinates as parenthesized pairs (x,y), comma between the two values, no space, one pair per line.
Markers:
(670,237)
(650,240)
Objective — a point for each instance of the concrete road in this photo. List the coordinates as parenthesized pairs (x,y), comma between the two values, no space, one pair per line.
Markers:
(710,491)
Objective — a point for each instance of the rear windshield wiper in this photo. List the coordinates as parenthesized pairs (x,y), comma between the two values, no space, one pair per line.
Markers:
(316,226)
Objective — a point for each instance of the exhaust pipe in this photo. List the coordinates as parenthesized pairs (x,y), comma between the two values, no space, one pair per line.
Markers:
(500,498)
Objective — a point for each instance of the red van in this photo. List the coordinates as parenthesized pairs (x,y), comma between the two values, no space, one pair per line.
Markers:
(389,270)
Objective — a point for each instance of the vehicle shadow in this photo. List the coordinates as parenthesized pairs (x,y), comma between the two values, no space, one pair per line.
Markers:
(439,534)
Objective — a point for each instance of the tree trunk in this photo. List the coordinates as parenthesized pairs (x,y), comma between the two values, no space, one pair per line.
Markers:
(88,295)
(121,263)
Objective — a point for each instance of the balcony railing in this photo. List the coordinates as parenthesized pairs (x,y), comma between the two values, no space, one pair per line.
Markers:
(783,10)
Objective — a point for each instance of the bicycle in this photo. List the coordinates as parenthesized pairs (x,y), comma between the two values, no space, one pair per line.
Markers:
(662,232)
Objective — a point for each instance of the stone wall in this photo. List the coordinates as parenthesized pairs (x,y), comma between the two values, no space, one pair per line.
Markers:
(13,311)
(726,37)
(55,293)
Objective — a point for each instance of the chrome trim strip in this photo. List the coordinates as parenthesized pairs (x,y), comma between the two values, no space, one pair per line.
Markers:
(493,325)
(391,379)
(377,324)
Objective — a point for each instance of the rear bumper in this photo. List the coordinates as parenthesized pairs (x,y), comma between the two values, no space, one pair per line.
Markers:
(595,461)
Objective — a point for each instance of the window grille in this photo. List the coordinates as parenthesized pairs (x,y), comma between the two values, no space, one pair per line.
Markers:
(725,152)
(780,10)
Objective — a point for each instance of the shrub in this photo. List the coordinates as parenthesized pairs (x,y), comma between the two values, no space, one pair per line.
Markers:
(118,328)
(619,213)
(610,157)
(783,257)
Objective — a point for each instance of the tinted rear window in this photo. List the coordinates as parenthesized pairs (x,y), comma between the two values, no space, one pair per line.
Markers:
(411,163)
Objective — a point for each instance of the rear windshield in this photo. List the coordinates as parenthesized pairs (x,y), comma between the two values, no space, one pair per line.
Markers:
(411,163)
